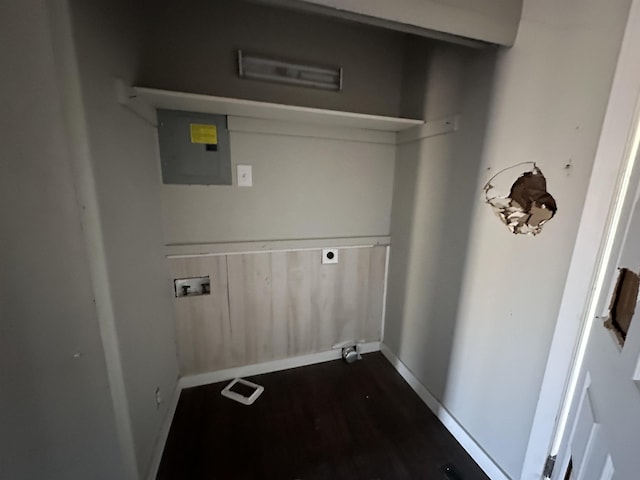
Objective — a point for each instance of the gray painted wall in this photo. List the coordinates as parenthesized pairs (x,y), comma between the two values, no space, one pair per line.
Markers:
(485,363)
(124,160)
(191,46)
(435,78)
(434,194)
(303,188)
(56,415)
(478,350)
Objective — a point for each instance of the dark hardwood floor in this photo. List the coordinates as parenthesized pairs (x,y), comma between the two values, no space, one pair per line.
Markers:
(326,421)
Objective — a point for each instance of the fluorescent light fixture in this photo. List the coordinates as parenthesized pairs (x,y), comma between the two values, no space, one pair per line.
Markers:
(260,68)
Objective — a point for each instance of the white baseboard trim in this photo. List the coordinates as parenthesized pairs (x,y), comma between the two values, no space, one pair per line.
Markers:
(484,461)
(268,367)
(161,441)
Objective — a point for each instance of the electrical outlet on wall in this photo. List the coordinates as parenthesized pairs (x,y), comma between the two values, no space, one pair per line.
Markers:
(245,176)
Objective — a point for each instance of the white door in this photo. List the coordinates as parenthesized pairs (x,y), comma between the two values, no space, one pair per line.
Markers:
(604,433)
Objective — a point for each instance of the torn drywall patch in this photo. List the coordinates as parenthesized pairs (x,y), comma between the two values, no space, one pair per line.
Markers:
(527,206)
(623,303)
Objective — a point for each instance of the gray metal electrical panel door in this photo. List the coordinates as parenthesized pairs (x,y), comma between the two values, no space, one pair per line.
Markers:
(194,148)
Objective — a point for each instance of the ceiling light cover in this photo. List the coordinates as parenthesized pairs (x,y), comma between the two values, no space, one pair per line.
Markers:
(261,68)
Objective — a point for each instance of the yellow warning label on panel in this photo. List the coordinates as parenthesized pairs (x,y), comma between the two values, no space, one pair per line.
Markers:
(207,134)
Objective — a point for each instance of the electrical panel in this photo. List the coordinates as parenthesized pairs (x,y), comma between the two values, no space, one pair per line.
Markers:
(194,148)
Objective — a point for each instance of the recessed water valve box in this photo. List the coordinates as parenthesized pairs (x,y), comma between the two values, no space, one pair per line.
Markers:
(191,287)
(329,255)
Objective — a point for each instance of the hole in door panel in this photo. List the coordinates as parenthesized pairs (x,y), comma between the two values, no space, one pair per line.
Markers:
(623,304)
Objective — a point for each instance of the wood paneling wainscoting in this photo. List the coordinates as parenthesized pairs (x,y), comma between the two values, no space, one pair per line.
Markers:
(275,305)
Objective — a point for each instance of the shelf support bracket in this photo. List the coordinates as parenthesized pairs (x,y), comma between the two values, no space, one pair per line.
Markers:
(128,98)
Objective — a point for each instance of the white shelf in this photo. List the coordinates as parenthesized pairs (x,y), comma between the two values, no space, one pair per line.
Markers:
(193,102)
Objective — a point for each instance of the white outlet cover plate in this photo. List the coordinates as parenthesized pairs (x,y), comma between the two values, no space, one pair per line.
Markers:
(329,255)
(245,176)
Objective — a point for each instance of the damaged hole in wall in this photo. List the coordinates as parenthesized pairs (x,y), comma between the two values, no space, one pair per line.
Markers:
(623,303)
(523,205)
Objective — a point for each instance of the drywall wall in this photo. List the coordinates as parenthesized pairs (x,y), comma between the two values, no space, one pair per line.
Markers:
(192,46)
(552,417)
(434,78)
(547,106)
(434,189)
(55,402)
(304,186)
(123,157)
(494,21)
